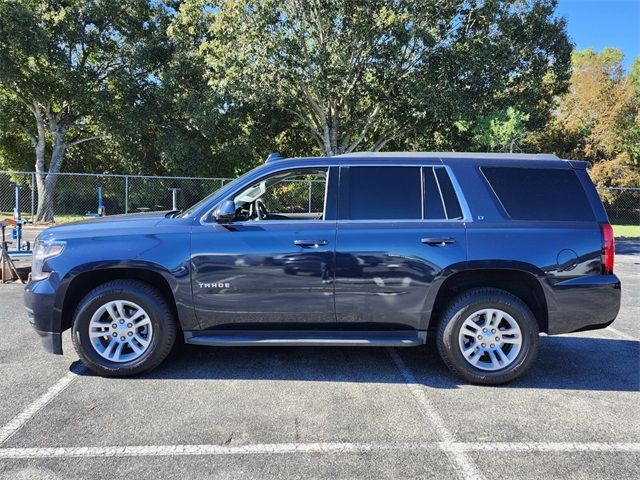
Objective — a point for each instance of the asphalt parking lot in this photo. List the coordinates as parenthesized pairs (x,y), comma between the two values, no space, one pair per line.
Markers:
(324,412)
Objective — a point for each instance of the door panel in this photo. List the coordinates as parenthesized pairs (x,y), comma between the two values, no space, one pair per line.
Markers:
(384,270)
(253,275)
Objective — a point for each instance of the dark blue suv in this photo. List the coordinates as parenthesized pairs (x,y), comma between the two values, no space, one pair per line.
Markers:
(482,251)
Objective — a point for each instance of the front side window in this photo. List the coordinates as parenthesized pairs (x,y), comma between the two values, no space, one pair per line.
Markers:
(292,195)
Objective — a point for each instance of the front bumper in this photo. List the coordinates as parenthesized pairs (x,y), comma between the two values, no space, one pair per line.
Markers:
(39,298)
(584,303)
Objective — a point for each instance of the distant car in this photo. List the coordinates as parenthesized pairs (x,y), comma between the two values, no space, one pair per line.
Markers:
(483,251)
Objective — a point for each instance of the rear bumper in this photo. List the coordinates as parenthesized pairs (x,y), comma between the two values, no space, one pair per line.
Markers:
(584,303)
(39,303)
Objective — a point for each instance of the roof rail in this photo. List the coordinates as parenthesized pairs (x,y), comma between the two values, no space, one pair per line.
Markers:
(488,155)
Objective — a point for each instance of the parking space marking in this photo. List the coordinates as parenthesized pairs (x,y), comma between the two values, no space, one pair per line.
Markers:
(461,462)
(178,450)
(17,422)
(561,447)
(321,448)
(622,334)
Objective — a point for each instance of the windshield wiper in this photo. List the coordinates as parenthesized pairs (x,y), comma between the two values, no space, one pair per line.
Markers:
(172,213)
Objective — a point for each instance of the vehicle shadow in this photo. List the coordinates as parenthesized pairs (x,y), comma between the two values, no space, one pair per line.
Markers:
(567,363)
(628,246)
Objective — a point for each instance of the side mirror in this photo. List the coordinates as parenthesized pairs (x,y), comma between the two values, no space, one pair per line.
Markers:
(225,212)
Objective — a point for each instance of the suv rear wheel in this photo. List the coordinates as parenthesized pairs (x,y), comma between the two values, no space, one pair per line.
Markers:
(488,336)
(123,327)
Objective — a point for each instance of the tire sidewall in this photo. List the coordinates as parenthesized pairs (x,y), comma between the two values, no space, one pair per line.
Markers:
(93,302)
(451,347)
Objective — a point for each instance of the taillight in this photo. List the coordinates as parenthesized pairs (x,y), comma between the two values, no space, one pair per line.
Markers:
(608,248)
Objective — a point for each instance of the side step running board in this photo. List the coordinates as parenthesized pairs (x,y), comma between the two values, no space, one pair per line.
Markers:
(252,338)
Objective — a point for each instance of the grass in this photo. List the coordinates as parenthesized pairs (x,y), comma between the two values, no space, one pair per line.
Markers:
(629,231)
(59,218)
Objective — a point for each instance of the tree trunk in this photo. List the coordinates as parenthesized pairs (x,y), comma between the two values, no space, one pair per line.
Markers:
(47,183)
(46,186)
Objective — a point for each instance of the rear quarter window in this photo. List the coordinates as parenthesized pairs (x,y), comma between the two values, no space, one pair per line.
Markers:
(539,194)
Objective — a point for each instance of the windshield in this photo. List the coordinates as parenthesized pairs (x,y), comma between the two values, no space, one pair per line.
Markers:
(208,198)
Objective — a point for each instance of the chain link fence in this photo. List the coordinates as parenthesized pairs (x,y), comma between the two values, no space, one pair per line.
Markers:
(77,195)
(622,204)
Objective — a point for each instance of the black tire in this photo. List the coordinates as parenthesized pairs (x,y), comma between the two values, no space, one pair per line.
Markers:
(466,304)
(159,312)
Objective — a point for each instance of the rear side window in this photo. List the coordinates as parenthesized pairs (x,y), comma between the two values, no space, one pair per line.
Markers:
(433,207)
(440,200)
(539,194)
(385,193)
(452,207)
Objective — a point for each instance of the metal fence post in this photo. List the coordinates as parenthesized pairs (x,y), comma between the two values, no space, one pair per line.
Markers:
(174,198)
(309,196)
(33,195)
(126,194)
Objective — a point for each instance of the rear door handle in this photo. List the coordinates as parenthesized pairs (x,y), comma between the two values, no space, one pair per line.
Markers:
(310,243)
(438,242)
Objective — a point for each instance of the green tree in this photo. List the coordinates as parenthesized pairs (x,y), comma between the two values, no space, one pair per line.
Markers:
(500,131)
(63,65)
(362,73)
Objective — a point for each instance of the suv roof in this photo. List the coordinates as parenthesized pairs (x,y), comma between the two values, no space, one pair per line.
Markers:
(482,155)
(479,158)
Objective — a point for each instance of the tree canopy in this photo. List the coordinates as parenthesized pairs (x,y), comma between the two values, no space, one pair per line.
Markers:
(203,87)
(64,65)
(599,118)
(364,73)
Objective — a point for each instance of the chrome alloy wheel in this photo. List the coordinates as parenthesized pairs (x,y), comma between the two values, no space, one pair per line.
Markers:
(490,339)
(120,331)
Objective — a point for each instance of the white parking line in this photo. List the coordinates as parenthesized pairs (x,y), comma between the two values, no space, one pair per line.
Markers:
(621,334)
(561,447)
(458,448)
(462,463)
(17,422)
(178,450)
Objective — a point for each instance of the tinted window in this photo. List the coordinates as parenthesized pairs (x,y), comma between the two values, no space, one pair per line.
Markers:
(449,197)
(539,194)
(433,208)
(385,193)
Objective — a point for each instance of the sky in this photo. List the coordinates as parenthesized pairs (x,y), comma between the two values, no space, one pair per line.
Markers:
(604,23)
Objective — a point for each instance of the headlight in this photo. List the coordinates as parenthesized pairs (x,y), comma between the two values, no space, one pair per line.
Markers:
(41,252)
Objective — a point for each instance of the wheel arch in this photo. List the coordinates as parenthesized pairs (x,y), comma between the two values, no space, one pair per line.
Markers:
(524,283)
(81,283)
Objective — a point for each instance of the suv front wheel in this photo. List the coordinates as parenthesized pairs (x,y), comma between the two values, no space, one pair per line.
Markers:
(488,336)
(123,327)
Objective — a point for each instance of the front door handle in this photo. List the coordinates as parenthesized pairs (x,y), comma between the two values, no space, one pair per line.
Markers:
(438,242)
(310,243)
